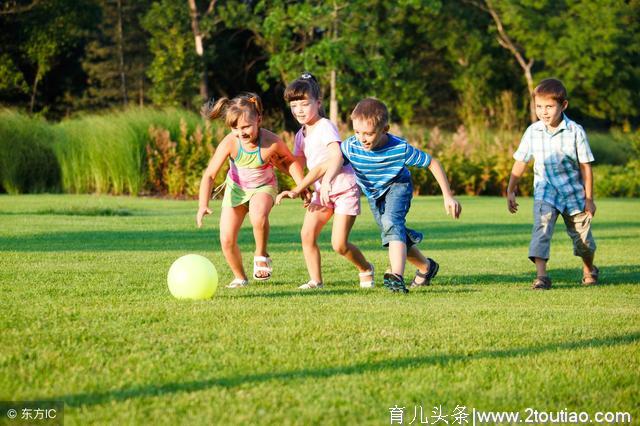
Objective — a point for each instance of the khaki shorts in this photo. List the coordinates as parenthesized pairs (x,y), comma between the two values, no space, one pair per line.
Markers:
(544,221)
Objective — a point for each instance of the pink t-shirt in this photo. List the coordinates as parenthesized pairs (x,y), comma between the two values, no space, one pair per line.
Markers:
(314,147)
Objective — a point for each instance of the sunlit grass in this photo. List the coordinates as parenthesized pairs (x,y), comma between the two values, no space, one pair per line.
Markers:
(88,319)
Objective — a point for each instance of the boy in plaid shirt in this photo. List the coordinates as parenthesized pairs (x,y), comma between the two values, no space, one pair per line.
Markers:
(563,181)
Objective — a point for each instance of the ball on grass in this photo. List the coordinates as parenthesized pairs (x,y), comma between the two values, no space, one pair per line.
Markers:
(192,277)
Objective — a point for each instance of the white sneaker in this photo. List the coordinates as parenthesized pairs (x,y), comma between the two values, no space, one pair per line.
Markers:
(311,285)
(238,283)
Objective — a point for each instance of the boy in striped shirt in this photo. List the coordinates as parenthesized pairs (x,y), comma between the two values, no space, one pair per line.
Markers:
(380,162)
(563,181)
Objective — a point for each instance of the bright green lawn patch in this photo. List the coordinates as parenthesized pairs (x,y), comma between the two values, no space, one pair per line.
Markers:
(87,319)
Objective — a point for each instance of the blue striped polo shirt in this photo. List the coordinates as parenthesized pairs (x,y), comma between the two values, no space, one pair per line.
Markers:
(557,156)
(377,169)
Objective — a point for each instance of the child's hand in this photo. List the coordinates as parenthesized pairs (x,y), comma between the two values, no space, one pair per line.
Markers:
(590,207)
(453,207)
(290,194)
(202,212)
(324,193)
(306,196)
(512,205)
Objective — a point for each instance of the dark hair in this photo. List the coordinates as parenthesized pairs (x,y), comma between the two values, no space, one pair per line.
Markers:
(373,111)
(304,87)
(244,104)
(552,88)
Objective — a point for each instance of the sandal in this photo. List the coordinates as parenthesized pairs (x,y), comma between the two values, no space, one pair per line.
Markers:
(369,273)
(427,276)
(268,269)
(591,278)
(238,283)
(395,283)
(311,285)
(541,283)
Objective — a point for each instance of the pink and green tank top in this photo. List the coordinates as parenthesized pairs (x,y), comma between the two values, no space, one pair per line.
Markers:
(248,175)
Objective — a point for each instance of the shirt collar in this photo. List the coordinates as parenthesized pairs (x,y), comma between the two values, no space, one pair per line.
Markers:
(539,125)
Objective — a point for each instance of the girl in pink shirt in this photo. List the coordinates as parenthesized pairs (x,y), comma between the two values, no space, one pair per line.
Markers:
(317,141)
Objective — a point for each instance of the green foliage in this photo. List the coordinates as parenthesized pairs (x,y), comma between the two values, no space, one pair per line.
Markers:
(117,48)
(173,71)
(27,160)
(105,153)
(175,168)
(475,164)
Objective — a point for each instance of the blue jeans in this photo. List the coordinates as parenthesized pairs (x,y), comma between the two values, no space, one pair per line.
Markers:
(390,212)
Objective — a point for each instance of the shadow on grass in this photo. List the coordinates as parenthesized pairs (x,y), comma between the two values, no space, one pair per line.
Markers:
(437,237)
(118,395)
(565,278)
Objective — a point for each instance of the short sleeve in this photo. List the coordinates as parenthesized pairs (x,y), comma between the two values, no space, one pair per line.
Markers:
(344,147)
(415,157)
(523,153)
(328,132)
(582,147)
(298,145)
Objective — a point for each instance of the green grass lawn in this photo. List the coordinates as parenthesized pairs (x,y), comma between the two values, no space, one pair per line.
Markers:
(87,319)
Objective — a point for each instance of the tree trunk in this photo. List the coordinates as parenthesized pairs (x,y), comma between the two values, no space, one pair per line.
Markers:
(36,80)
(505,41)
(333,102)
(120,41)
(532,106)
(195,27)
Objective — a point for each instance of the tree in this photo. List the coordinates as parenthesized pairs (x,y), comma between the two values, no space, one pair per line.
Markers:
(117,56)
(41,37)
(174,68)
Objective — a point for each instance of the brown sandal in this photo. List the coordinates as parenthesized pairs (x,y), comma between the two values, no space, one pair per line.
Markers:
(591,278)
(541,283)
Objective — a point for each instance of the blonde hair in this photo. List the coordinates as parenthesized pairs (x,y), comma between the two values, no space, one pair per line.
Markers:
(246,104)
(373,111)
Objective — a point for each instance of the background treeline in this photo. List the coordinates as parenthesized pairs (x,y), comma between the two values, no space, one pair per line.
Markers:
(455,74)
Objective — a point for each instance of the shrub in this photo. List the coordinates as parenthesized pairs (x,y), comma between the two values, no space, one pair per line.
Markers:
(27,161)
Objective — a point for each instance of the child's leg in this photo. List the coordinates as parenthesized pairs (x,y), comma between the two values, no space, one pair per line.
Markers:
(584,246)
(417,259)
(314,220)
(342,225)
(544,221)
(397,256)
(231,219)
(259,208)
(541,266)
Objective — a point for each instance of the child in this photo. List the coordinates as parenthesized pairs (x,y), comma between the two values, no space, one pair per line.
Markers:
(563,181)
(251,183)
(317,141)
(380,162)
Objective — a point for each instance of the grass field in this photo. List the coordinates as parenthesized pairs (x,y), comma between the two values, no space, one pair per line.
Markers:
(87,319)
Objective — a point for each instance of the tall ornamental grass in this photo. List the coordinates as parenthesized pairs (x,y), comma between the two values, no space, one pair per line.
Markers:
(27,160)
(106,153)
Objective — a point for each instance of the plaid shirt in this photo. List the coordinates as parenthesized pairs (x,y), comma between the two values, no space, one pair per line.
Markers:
(557,178)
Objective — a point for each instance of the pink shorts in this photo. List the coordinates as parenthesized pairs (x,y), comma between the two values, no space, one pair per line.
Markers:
(346,202)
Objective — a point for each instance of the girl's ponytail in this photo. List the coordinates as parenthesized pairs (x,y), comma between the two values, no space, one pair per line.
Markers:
(212,110)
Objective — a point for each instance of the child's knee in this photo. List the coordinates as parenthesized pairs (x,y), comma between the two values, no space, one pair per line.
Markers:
(307,236)
(227,241)
(340,247)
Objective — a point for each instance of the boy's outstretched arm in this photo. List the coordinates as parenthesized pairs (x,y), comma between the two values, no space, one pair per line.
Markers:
(451,205)
(516,173)
(587,179)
